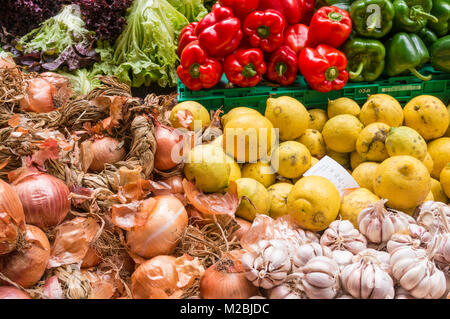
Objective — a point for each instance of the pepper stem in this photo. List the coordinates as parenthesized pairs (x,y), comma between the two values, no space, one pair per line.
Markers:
(420,76)
(335,16)
(354,75)
(249,71)
(263,31)
(281,68)
(194,70)
(426,15)
(331,73)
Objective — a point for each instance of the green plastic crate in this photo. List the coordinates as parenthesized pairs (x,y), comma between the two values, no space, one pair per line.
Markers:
(403,88)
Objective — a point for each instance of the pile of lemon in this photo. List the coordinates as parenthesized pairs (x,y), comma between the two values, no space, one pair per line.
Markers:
(402,155)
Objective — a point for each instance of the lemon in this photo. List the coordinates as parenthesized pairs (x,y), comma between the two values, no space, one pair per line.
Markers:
(445,180)
(317,119)
(254,199)
(364,174)
(237,112)
(438,191)
(279,193)
(343,105)
(313,140)
(427,115)
(428,162)
(288,115)
(248,138)
(355,159)
(447,134)
(260,171)
(439,150)
(218,141)
(370,143)
(403,180)
(313,203)
(235,170)
(354,202)
(207,165)
(291,159)
(341,132)
(342,158)
(430,196)
(194,109)
(404,140)
(382,108)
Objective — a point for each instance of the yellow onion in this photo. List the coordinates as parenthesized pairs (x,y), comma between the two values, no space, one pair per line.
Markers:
(12,218)
(26,265)
(168,140)
(45,198)
(106,150)
(244,227)
(38,96)
(12,293)
(226,280)
(91,259)
(166,222)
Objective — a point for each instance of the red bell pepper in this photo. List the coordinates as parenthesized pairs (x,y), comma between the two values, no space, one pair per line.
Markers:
(296,37)
(245,67)
(240,8)
(219,32)
(283,66)
(330,25)
(265,29)
(187,36)
(197,70)
(324,68)
(292,10)
(308,11)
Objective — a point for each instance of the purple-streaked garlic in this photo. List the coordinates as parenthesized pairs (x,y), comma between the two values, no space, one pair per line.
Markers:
(320,278)
(378,224)
(302,254)
(442,254)
(401,293)
(367,277)
(432,215)
(342,235)
(416,236)
(382,258)
(416,272)
(286,291)
(269,264)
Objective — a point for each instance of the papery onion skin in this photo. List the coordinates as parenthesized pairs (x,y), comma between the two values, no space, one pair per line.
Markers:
(244,227)
(175,183)
(12,218)
(12,293)
(165,225)
(38,97)
(106,150)
(91,259)
(45,199)
(27,265)
(167,139)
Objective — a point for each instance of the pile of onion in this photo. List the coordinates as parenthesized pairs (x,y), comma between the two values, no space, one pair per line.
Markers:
(105,150)
(38,96)
(45,198)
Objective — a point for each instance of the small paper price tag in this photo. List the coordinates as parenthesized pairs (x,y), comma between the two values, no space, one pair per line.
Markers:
(334,172)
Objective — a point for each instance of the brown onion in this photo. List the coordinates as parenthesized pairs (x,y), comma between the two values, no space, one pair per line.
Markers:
(27,265)
(12,293)
(167,219)
(39,96)
(167,139)
(226,280)
(12,218)
(106,150)
(45,198)
(91,259)
(244,227)
(175,184)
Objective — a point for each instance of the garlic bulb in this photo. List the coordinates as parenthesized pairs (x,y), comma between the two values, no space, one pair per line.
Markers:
(342,235)
(378,224)
(307,236)
(367,279)
(416,236)
(442,254)
(269,265)
(415,272)
(382,258)
(286,291)
(320,278)
(433,216)
(401,293)
(302,254)
(342,257)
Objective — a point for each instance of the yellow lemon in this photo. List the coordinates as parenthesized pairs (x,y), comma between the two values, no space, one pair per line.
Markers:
(438,191)
(427,115)
(317,119)
(254,199)
(313,203)
(288,115)
(237,112)
(343,105)
(313,140)
(364,174)
(403,180)
(353,202)
(190,109)
(260,171)
(445,180)
(355,159)
(279,193)
(404,140)
(447,134)
(291,159)
(370,142)
(235,170)
(382,108)
(314,161)
(439,150)
(341,132)
(428,162)
(342,158)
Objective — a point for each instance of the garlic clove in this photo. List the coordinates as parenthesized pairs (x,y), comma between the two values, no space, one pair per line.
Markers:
(413,276)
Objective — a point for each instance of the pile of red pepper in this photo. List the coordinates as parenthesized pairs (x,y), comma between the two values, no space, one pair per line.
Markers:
(249,39)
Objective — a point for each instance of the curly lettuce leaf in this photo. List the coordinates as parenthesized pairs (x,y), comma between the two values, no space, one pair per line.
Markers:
(193,10)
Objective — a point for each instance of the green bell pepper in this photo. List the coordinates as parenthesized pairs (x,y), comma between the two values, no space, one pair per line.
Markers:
(441,9)
(342,4)
(406,52)
(427,36)
(413,15)
(372,18)
(365,59)
(440,54)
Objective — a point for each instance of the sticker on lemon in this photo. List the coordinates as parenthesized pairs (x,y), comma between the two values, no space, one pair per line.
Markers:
(317,119)
(313,203)
(291,159)
(185,114)
(341,132)
(354,201)
(260,171)
(370,144)
(382,108)
(254,199)
(404,140)
(279,193)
